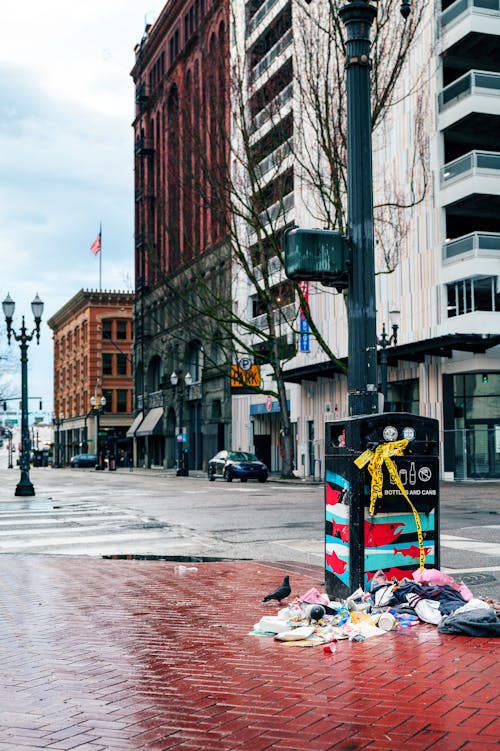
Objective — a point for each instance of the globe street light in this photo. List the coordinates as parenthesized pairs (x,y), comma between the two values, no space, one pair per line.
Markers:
(182,468)
(25,486)
(384,342)
(98,409)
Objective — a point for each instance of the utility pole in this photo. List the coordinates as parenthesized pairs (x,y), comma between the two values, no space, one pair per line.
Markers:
(358,17)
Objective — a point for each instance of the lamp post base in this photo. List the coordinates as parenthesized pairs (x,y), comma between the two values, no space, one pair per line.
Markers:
(25,487)
(182,472)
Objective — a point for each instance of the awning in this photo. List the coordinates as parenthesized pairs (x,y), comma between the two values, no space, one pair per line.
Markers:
(440,346)
(137,421)
(151,423)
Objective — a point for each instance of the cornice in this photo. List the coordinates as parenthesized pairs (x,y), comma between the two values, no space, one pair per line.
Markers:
(85,298)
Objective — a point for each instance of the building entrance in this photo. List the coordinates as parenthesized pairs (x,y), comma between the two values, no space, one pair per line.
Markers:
(483,448)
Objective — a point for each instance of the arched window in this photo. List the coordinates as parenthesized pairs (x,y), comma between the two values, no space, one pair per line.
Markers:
(173,197)
(213,146)
(197,199)
(194,360)
(187,170)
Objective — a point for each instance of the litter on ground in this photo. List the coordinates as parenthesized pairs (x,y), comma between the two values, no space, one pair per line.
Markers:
(430,596)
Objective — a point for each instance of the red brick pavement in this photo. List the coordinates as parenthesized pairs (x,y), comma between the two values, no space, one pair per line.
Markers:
(110,655)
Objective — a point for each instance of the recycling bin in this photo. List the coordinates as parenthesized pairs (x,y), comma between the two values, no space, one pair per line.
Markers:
(388,518)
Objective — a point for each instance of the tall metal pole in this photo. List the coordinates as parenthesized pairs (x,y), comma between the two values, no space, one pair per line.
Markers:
(180,462)
(383,371)
(358,17)
(24,486)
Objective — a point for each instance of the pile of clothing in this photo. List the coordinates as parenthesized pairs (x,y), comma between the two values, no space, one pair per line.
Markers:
(437,598)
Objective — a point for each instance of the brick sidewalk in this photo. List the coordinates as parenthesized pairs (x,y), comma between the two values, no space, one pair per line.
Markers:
(113,655)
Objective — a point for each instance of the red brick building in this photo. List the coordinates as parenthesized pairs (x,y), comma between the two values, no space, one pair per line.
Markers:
(93,340)
(181,75)
(181,126)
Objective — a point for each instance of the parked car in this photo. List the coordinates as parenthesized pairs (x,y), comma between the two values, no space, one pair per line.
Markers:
(236,465)
(83,460)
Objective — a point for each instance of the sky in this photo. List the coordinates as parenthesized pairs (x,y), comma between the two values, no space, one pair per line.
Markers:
(66,161)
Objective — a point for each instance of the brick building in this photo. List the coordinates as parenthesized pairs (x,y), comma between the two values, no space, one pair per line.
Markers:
(180,78)
(93,359)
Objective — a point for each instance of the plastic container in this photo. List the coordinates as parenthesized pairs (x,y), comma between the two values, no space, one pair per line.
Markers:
(185,569)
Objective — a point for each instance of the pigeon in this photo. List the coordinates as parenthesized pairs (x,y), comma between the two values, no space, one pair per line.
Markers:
(281,593)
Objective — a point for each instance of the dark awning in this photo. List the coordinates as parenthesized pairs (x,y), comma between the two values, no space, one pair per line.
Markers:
(440,346)
(135,425)
(151,423)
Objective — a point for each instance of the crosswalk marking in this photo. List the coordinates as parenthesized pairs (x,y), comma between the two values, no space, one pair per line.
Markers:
(80,528)
(472,546)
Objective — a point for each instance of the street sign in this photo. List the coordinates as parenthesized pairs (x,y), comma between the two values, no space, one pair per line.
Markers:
(245,381)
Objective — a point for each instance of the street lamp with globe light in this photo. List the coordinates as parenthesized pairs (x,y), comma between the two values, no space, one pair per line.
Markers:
(24,486)
(97,407)
(182,468)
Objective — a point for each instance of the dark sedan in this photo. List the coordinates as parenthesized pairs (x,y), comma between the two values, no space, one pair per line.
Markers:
(83,460)
(236,465)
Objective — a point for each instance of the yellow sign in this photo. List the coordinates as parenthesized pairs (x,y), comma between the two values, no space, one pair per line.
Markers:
(245,378)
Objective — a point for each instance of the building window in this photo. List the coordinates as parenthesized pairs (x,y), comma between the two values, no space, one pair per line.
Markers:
(108,395)
(469,295)
(174,46)
(280,295)
(121,329)
(107,363)
(106,329)
(121,400)
(121,364)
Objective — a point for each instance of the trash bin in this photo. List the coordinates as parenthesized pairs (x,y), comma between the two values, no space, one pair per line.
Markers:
(387,518)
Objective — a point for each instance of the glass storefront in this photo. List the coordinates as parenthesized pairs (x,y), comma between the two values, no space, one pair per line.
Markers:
(477,425)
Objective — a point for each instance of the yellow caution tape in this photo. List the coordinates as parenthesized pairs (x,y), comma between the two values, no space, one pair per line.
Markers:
(375,461)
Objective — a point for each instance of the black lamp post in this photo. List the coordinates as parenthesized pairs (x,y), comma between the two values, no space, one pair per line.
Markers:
(24,486)
(98,409)
(358,17)
(384,342)
(182,468)
(57,421)
(9,436)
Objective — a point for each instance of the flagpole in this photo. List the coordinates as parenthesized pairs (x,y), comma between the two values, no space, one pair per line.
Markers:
(100,259)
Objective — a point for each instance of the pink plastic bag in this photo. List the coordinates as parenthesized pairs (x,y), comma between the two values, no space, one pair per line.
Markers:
(434,576)
(314,597)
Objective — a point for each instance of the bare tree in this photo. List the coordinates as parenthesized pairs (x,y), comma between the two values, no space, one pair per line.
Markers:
(235,295)
(320,86)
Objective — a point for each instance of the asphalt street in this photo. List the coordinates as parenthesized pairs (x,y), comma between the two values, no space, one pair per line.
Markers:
(153,513)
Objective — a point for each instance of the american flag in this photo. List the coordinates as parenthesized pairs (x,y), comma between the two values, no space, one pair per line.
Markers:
(96,245)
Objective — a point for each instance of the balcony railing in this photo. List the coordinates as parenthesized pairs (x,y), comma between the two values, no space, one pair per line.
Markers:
(275,159)
(273,53)
(280,207)
(261,13)
(461,7)
(474,245)
(288,313)
(273,107)
(473,82)
(273,265)
(471,163)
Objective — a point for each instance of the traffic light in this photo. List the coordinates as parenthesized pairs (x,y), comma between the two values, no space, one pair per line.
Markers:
(485,377)
(5,406)
(263,352)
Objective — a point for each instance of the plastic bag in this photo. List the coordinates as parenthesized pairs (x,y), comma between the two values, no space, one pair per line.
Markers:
(435,576)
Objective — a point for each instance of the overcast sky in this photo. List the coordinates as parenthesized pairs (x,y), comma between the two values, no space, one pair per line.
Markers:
(66,162)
